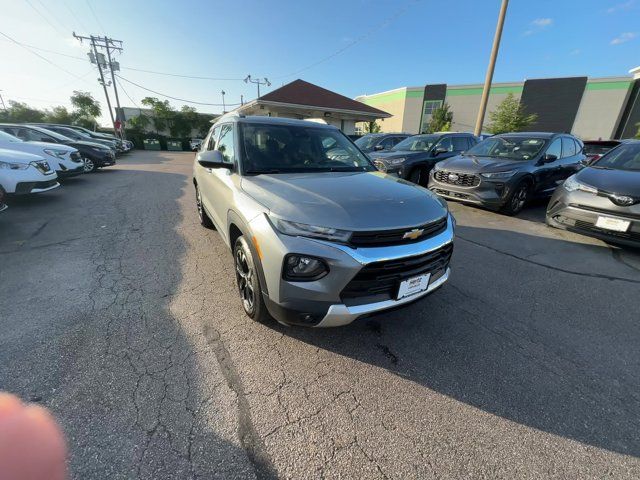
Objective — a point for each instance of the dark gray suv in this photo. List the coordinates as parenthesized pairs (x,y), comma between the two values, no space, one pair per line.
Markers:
(505,171)
(378,142)
(319,236)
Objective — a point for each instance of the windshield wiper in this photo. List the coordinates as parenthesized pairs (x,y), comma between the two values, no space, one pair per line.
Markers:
(262,172)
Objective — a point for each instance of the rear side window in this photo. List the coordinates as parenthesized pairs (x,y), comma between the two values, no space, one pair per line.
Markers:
(568,147)
(579,146)
(213,137)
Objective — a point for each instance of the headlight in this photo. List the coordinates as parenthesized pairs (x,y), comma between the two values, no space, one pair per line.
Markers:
(571,185)
(437,167)
(303,268)
(313,231)
(55,153)
(506,174)
(14,166)
(397,161)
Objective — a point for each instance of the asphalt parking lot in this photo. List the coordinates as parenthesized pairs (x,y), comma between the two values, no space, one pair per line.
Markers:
(119,313)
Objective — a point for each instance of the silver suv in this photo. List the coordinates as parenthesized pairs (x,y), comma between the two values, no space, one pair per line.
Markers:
(319,236)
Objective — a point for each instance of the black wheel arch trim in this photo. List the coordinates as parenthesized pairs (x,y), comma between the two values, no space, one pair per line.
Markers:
(234,219)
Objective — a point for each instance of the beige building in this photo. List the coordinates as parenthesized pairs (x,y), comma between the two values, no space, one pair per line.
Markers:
(590,108)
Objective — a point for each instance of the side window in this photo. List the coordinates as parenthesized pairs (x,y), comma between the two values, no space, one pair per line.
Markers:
(579,146)
(460,144)
(397,140)
(33,136)
(211,139)
(555,148)
(568,147)
(446,144)
(387,143)
(225,143)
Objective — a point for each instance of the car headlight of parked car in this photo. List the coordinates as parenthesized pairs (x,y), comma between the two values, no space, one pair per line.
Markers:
(313,231)
(55,153)
(571,184)
(499,175)
(14,166)
(397,161)
(303,268)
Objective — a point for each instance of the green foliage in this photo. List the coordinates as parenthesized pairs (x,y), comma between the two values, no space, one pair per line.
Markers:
(21,112)
(372,127)
(141,122)
(510,116)
(162,112)
(86,109)
(638,132)
(441,119)
(59,115)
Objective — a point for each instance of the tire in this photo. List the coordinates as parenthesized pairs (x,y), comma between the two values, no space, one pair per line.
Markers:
(89,165)
(248,282)
(518,198)
(205,221)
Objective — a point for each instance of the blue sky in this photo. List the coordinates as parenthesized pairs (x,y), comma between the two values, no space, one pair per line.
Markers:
(373,45)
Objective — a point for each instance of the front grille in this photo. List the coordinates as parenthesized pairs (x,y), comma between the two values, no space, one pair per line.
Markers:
(447,193)
(604,211)
(383,238)
(459,179)
(590,227)
(27,187)
(383,278)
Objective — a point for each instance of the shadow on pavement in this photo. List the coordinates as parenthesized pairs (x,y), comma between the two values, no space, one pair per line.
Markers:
(564,360)
(86,329)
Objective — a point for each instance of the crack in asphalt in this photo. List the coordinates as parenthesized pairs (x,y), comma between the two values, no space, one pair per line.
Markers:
(249,438)
(550,267)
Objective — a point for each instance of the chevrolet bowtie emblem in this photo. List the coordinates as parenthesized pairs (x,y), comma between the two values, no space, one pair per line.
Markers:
(413,234)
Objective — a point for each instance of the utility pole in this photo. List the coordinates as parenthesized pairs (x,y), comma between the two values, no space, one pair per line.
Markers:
(4,107)
(224,109)
(492,63)
(241,100)
(258,82)
(113,66)
(98,59)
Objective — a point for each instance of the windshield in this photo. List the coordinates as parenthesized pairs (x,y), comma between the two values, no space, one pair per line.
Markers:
(514,148)
(418,143)
(625,157)
(55,135)
(289,148)
(5,137)
(367,141)
(72,134)
(597,148)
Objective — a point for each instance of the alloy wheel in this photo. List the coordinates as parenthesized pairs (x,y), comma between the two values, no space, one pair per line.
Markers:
(88,165)
(244,277)
(199,204)
(520,198)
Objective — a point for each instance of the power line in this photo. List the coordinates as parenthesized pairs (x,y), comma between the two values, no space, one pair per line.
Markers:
(75,16)
(95,16)
(126,93)
(175,98)
(44,17)
(53,16)
(40,56)
(362,37)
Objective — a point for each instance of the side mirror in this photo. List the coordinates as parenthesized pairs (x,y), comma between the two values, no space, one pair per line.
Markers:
(549,157)
(213,159)
(440,150)
(377,148)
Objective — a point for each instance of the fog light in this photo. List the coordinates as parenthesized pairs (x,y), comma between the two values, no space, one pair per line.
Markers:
(303,268)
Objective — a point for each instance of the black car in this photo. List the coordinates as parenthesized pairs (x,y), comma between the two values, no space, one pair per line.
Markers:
(603,199)
(93,155)
(415,156)
(377,142)
(76,135)
(505,171)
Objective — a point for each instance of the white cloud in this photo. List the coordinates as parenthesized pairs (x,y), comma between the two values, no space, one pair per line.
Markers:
(623,38)
(542,22)
(621,6)
(575,51)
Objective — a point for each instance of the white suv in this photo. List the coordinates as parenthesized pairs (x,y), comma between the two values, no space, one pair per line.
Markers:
(22,173)
(66,161)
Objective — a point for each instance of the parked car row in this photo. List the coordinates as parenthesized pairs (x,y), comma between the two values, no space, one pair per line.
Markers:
(594,185)
(33,158)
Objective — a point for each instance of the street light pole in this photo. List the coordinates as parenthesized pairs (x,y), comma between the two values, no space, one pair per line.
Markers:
(258,82)
(224,108)
(492,63)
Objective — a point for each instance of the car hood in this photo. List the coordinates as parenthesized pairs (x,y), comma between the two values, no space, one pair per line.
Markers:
(55,146)
(36,148)
(16,156)
(349,201)
(473,164)
(622,182)
(397,154)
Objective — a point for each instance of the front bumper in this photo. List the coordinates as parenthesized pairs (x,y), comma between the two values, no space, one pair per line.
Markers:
(578,212)
(23,188)
(324,303)
(489,193)
(70,172)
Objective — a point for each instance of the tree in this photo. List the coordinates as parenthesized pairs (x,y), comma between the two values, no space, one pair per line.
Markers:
(21,112)
(87,109)
(372,127)
(441,119)
(141,122)
(510,116)
(59,115)
(638,132)
(163,114)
